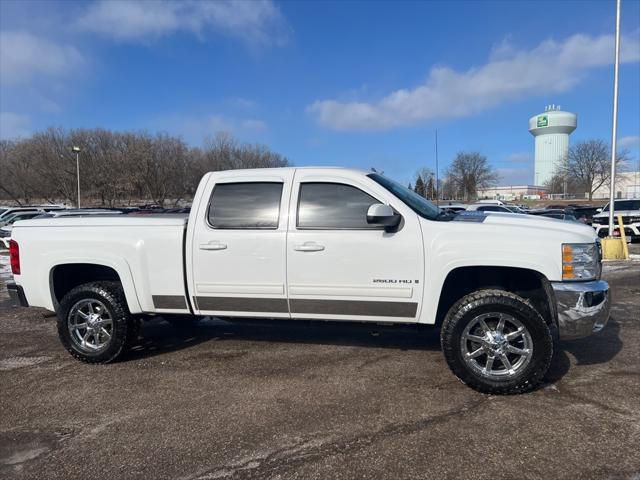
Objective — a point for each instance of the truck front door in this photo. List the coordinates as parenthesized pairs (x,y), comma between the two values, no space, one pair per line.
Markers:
(339,266)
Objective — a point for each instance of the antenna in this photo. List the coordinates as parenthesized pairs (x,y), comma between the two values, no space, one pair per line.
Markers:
(437,189)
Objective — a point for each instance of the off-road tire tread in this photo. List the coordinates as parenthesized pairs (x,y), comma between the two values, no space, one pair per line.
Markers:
(113,295)
(543,350)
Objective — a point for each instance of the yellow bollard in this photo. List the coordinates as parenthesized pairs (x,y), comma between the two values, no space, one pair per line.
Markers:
(612,248)
(623,237)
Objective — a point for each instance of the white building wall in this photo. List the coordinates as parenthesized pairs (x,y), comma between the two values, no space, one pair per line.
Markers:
(627,186)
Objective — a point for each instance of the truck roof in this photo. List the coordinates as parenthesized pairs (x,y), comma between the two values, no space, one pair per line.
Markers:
(284,169)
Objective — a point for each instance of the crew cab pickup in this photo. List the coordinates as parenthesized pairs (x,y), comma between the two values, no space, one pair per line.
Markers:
(629,210)
(322,244)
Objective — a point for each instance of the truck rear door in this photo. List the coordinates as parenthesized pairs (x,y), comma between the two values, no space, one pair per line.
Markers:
(238,250)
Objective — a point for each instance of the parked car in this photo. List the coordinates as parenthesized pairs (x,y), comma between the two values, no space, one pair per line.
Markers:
(79,212)
(321,244)
(7,212)
(489,207)
(6,225)
(585,214)
(630,212)
(453,207)
(560,214)
(19,215)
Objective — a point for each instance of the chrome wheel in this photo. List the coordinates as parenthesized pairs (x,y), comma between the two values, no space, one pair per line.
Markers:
(90,325)
(496,345)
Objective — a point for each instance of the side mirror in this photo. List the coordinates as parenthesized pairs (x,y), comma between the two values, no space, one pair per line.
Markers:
(379,214)
(600,210)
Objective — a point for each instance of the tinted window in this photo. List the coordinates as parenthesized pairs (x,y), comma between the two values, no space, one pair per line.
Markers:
(245,205)
(333,205)
(624,205)
(492,209)
(417,203)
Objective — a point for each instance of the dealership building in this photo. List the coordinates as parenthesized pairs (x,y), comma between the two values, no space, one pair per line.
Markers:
(511,192)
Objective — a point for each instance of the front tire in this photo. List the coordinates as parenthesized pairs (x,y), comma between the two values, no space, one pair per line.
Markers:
(496,342)
(94,322)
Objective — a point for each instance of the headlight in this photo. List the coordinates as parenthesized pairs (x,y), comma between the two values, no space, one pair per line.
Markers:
(580,261)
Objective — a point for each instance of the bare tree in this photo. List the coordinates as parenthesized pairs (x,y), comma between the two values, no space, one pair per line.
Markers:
(118,168)
(470,171)
(589,166)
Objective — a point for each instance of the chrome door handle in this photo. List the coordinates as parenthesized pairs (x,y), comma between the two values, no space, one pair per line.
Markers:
(308,247)
(213,245)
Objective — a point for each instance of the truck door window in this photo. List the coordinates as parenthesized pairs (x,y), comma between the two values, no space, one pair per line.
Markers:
(336,206)
(247,205)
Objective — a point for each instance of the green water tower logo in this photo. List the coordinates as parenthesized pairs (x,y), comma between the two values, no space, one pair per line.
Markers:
(543,121)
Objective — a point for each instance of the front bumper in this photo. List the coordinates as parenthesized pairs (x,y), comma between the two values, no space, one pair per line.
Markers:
(16,294)
(583,307)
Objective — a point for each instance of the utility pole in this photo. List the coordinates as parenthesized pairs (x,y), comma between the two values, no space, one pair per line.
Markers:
(77,150)
(614,126)
(437,186)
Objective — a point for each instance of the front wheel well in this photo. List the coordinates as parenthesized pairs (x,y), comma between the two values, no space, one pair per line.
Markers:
(64,278)
(526,283)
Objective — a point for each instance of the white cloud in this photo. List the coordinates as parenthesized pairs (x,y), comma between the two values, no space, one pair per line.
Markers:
(241,103)
(257,22)
(509,74)
(24,56)
(14,125)
(194,128)
(632,141)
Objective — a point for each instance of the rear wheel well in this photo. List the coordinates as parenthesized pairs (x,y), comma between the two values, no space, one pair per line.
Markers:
(528,284)
(64,278)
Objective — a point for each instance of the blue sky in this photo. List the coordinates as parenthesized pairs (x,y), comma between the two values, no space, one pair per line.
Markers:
(361,84)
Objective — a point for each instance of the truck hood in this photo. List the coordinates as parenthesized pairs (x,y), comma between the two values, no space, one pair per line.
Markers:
(536,223)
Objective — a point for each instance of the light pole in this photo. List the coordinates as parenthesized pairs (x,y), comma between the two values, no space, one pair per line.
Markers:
(77,150)
(614,126)
(614,247)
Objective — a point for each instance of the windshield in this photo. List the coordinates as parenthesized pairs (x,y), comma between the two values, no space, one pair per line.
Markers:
(417,203)
(624,205)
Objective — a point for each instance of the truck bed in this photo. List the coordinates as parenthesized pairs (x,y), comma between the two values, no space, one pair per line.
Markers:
(145,251)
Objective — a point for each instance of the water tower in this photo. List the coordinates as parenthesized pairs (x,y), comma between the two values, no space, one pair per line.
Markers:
(551,130)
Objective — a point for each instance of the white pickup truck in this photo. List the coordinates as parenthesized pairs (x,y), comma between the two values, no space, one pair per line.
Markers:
(322,244)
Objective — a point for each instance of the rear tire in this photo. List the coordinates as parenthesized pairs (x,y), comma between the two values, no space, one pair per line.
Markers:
(496,342)
(94,322)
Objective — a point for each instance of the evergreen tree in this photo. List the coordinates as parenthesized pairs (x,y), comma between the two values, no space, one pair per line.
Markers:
(431,189)
(419,189)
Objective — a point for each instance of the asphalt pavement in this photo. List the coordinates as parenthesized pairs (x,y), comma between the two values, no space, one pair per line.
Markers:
(301,401)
